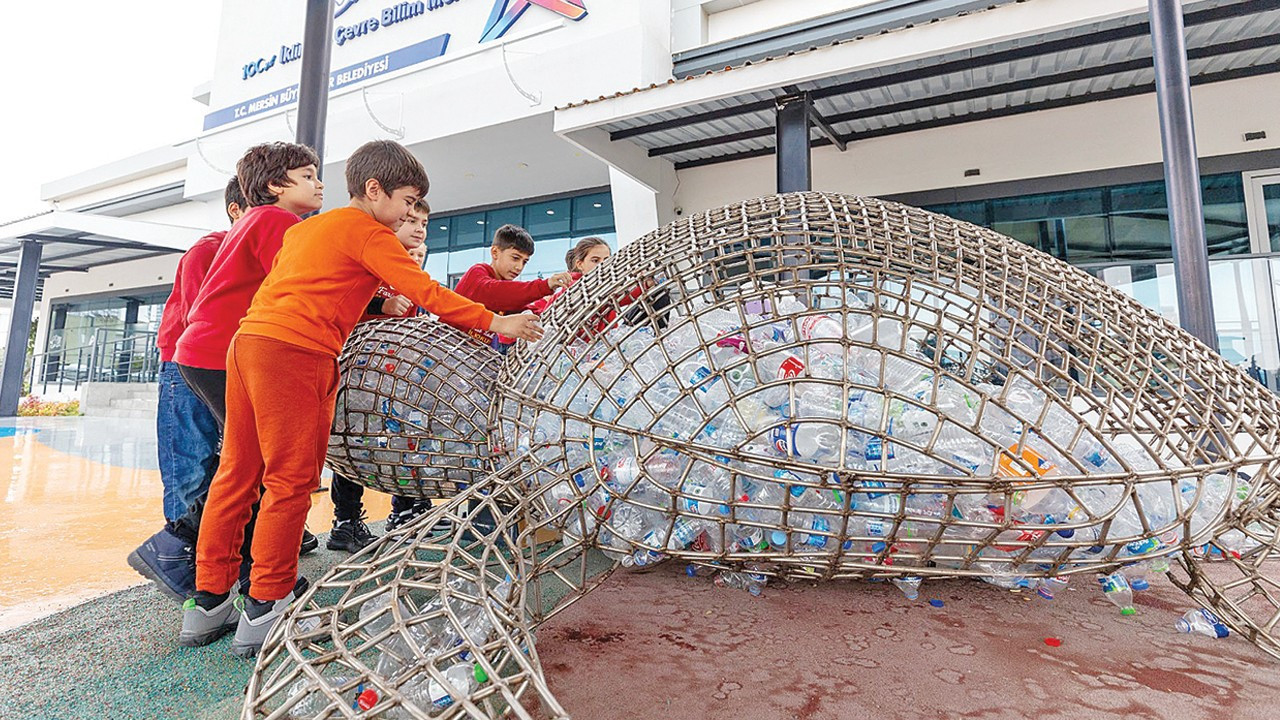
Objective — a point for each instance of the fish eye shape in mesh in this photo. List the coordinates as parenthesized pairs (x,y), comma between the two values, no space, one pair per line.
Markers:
(412,413)
(811,386)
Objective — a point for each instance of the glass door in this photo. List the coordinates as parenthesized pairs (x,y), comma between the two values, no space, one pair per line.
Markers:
(1262,200)
(1263,193)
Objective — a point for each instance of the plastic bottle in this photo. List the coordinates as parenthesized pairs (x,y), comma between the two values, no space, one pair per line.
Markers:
(460,679)
(823,327)
(807,441)
(752,583)
(1116,589)
(1202,622)
(315,702)
(910,586)
(1050,587)
(778,367)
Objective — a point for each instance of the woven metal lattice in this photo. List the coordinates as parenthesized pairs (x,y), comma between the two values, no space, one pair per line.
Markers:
(809,386)
(411,416)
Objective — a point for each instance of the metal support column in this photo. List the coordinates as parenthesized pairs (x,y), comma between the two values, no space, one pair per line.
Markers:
(1182,171)
(24,301)
(313,90)
(793,156)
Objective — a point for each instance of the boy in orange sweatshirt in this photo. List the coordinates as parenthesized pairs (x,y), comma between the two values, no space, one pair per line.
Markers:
(282,377)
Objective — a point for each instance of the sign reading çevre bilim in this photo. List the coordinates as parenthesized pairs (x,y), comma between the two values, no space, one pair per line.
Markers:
(380,65)
(347,31)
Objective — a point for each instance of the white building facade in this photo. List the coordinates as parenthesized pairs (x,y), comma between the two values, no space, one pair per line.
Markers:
(1033,117)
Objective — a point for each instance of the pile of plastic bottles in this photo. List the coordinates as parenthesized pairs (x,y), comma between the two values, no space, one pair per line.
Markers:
(437,638)
(728,433)
(408,420)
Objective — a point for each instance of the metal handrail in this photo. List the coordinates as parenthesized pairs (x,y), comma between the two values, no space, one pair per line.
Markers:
(132,357)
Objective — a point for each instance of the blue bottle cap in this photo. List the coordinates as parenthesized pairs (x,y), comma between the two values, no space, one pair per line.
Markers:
(778,538)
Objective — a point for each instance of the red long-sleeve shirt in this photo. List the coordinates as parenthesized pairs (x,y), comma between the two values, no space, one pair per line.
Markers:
(481,284)
(238,269)
(192,269)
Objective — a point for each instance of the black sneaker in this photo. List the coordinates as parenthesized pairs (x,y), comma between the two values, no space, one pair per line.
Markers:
(350,535)
(169,562)
(422,507)
(309,542)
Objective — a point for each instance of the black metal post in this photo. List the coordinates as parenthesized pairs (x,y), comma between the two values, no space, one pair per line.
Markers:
(24,301)
(313,89)
(794,163)
(1182,171)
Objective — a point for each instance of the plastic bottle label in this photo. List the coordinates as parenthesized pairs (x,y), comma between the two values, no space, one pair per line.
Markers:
(790,368)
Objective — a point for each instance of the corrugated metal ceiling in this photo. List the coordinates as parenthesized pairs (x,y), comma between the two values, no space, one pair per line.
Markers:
(1225,39)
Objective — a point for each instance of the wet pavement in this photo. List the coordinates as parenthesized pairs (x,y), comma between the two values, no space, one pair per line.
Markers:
(76,495)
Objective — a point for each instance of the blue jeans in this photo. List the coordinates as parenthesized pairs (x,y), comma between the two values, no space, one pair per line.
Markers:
(187,443)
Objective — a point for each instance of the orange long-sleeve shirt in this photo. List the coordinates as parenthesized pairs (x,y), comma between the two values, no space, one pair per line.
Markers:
(326,273)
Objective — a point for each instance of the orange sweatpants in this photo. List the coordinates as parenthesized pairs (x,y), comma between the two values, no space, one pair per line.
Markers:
(279,410)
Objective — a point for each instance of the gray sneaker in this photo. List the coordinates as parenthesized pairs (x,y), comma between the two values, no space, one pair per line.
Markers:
(258,618)
(202,625)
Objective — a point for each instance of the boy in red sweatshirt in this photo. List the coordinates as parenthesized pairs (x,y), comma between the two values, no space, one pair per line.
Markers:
(495,285)
(186,432)
(282,378)
(280,183)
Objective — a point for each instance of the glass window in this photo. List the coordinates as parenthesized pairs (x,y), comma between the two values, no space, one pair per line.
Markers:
(1226,226)
(592,214)
(495,219)
(438,235)
(457,242)
(548,258)
(1118,223)
(970,212)
(1271,207)
(548,219)
(1140,222)
(469,231)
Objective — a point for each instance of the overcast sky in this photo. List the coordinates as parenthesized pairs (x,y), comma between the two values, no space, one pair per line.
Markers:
(86,82)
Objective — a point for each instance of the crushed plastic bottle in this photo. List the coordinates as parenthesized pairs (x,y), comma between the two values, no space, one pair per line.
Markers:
(1116,589)
(1202,622)
(910,586)
(1049,587)
(751,582)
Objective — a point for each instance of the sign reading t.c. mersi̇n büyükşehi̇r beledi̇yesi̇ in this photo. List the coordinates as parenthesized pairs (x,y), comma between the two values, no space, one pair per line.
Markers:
(340,78)
(503,16)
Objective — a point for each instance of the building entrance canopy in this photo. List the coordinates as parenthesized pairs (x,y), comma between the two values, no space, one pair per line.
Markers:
(33,248)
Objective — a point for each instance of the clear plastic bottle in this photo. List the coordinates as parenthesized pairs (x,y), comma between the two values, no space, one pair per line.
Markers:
(823,327)
(750,582)
(460,682)
(807,441)
(1049,587)
(315,702)
(1202,622)
(1116,589)
(910,586)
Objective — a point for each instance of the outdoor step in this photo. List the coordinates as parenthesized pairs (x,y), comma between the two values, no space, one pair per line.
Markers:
(134,403)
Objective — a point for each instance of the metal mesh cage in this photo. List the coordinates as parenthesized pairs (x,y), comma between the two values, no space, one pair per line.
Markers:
(832,386)
(411,416)
(806,386)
